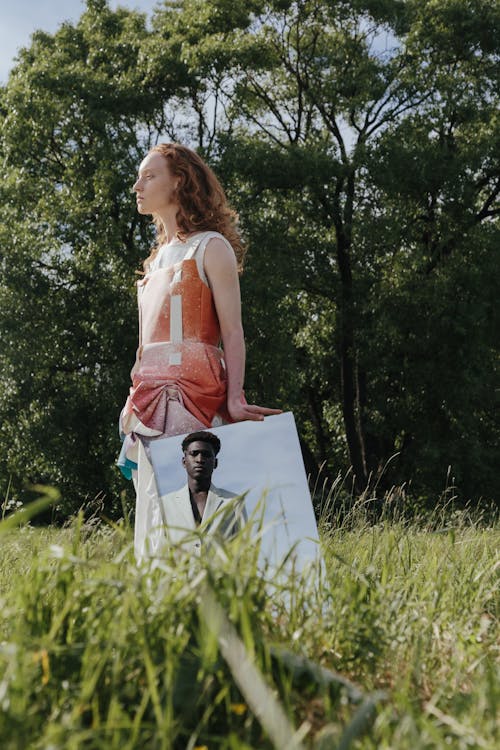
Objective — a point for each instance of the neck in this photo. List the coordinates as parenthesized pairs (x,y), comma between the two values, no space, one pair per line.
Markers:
(196,486)
(169,221)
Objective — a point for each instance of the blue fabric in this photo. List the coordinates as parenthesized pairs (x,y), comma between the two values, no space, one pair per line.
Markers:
(125,465)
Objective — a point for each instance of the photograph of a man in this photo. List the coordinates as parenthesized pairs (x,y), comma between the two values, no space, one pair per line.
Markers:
(199,503)
(260,462)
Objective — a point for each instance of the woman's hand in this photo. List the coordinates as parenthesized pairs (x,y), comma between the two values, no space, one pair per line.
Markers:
(240,411)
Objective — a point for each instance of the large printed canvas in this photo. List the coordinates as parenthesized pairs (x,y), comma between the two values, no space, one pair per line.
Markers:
(262,459)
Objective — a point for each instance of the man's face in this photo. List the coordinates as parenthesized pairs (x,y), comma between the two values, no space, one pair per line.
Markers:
(199,460)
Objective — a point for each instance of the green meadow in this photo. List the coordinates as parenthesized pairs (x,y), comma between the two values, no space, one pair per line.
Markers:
(394,644)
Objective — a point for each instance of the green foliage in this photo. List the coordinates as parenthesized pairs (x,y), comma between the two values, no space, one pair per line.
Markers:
(105,655)
(383,163)
(359,141)
(71,141)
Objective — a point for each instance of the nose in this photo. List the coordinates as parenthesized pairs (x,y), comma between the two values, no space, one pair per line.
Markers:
(135,186)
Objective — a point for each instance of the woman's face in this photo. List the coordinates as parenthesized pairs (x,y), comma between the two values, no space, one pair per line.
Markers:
(155,186)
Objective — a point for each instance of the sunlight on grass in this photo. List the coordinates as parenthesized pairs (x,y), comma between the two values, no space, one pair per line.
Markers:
(395,646)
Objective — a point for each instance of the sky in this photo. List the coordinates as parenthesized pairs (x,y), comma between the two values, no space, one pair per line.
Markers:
(20,18)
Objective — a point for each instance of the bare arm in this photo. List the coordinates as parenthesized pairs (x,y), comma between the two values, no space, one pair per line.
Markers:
(221,270)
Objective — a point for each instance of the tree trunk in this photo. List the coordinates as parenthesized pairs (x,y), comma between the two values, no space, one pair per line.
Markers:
(350,411)
(347,349)
(317,420)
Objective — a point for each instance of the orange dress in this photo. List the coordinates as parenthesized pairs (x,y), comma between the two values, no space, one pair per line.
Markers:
(179,358)
(179,379)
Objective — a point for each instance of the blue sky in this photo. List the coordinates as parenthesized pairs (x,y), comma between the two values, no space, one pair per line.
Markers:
(20,18)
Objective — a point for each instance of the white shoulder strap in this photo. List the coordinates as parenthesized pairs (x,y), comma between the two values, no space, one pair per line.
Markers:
(201,243)
(194,247)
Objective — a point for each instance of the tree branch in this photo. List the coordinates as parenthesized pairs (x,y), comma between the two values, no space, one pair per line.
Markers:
(485,211)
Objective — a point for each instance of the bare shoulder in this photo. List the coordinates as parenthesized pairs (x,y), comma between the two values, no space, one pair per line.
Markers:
(219,255)
(219,245)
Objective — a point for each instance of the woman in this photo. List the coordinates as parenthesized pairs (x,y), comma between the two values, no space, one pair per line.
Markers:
(189,301)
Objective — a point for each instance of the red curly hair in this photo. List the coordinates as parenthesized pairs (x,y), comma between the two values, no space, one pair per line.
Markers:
(202,203)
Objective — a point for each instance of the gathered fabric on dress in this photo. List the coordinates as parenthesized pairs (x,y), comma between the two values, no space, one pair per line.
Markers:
(179,378)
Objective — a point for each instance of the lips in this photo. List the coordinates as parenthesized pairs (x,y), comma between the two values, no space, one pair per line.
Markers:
(200,470)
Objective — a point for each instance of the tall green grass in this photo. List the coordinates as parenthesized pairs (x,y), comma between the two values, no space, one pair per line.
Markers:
(394,645)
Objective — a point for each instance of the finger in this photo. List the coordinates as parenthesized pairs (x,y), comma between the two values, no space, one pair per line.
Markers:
(253,417)
(262,409)
(248,416)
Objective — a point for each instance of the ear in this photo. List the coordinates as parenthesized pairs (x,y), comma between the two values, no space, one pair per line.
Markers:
(184,461)
(215,463)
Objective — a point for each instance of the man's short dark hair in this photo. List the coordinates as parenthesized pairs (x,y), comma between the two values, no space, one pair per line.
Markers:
(203,436)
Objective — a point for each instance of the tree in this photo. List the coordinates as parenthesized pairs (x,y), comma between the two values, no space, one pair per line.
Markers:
(77,114)
(359,141)
(363,138)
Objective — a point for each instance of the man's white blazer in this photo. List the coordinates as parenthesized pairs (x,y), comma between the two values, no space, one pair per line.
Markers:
(223,515)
